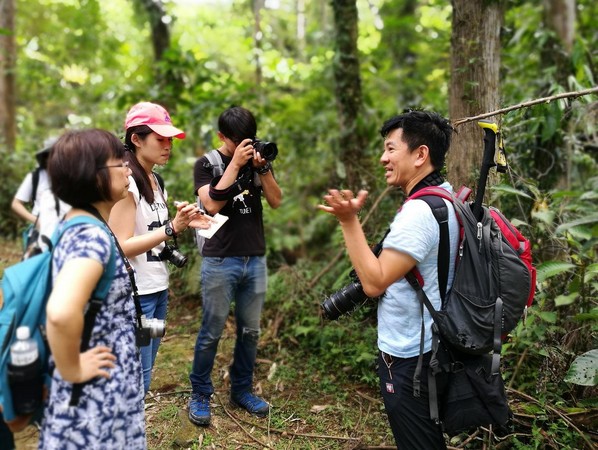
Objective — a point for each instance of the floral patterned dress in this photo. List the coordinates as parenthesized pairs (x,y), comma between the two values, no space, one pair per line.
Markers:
(110,413)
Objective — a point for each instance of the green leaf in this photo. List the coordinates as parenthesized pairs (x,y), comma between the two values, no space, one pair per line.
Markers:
(552,268)
(564,300)
(507,189)
(546,216)
(548,316)
(584,370)
(592,218)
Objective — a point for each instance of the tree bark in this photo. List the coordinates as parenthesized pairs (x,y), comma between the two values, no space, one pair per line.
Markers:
(474,84)
(158,26)
(257,6)
(398,37)
(559,16)
(8,59)
(354,167)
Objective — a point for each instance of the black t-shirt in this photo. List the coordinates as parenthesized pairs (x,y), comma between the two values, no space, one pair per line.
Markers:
(243,233)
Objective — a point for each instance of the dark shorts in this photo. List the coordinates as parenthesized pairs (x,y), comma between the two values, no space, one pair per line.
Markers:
(409,416)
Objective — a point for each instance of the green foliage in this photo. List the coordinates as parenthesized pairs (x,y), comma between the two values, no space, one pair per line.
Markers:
(83,63)
(584,370)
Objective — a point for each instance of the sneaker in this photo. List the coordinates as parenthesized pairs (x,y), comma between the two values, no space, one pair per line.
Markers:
(251,403)
(199,409)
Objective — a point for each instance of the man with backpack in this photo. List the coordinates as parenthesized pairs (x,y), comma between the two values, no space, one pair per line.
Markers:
(46,209)
(415,146)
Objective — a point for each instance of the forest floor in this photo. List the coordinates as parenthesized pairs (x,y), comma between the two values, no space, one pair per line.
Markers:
(308,411)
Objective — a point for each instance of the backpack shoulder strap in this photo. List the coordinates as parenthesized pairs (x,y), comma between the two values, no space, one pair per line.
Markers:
(160,180)
(215,160)
(433,197)
(34,183)
(103,286)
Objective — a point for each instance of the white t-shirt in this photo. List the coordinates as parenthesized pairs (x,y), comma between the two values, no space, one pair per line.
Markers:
(45,204)
(26,189)
(414,231)
(151,274)
(49,215)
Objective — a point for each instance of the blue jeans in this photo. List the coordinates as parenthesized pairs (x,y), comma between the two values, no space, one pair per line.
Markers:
(243,280)
(153,306)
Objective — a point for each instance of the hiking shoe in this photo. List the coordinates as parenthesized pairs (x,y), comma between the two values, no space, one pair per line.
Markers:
(251,403)
(199,409)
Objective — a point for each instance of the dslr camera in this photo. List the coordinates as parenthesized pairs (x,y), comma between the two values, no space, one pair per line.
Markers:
(268,150)
(349,297)
(150,328)
(171,254)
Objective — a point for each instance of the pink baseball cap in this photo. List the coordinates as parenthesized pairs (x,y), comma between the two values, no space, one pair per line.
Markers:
(155,117)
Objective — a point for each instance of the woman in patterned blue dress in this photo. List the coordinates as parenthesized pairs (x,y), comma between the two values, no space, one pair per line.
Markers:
(87,171)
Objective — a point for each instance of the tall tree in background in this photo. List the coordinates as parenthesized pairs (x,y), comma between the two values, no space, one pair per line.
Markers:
(256,6)
(158,24)
(474,84)
(400,35)
(166,75)
(553,153)
(355,168)
(8,127)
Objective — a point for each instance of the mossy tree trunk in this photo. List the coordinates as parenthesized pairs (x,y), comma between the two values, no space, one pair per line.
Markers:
(8,59)
(355,167)
(474,84)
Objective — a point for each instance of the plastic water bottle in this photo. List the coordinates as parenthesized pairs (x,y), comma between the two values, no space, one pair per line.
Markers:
(24,373)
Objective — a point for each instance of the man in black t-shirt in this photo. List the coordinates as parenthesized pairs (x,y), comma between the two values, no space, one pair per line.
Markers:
(234,261)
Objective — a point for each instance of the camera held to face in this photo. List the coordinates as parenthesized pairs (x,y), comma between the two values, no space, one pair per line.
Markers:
(268,150)
(150,329)
(171,254)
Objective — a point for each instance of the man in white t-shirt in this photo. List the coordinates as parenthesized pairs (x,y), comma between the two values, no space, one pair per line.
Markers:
(415,146)
(35,190)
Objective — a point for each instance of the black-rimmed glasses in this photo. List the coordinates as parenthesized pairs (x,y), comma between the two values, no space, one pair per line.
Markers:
(122,165)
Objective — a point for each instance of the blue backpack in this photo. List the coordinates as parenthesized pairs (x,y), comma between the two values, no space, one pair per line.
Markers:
(25,289)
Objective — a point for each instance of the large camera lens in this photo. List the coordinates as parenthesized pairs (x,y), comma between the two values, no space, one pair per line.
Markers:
(172,255)
(178,259)
(343,301)
(268,150)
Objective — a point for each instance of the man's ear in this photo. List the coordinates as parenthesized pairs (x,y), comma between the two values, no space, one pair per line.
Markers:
(221,136)
(422,154)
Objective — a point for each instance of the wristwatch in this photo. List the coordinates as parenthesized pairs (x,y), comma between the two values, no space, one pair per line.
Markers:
(169,230)
(264,169)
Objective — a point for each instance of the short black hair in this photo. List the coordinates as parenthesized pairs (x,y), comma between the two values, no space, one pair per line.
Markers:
(423,128)
(74,166)
(237,124)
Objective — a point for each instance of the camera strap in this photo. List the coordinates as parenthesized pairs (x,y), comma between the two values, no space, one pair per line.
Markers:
(160,185)
(92,210)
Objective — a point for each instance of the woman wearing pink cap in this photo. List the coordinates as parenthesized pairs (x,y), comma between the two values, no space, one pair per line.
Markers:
(141,222)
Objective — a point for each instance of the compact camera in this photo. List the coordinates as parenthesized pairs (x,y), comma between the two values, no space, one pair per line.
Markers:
(268,150)
(150,329)
(349,297)
(171,254)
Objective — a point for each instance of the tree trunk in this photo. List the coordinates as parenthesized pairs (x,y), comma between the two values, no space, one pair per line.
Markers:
(559,18)
(158,26)
(474,85)
(354,166)
(301,29)
(257,6)
(8,59)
